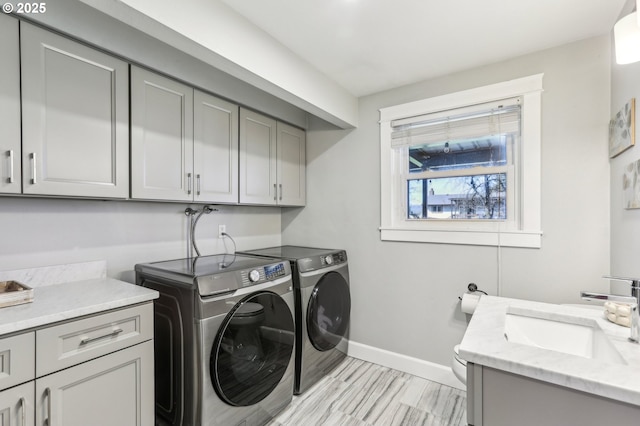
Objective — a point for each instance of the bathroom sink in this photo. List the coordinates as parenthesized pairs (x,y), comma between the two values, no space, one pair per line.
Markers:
(566,334)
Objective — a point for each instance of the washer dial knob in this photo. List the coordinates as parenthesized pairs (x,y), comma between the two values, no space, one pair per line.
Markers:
(329,260)
(254,275)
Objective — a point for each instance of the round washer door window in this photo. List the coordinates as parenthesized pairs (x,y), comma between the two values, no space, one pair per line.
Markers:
(328,311)
(252,349)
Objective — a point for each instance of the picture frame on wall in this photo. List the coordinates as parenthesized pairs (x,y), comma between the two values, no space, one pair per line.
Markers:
(622,134)
(631,185)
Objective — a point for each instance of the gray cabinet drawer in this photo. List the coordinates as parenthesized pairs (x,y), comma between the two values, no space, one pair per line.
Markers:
(17,359)
(74,342)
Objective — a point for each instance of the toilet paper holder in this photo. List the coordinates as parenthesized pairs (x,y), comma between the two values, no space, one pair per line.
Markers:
(473,288)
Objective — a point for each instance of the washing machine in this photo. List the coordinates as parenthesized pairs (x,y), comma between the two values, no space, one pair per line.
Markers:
(322,308)
(224,339)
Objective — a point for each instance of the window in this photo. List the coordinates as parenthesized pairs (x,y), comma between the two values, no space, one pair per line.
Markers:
(464,168)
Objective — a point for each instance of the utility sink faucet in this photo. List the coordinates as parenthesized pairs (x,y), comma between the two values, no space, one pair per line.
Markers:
(633,301)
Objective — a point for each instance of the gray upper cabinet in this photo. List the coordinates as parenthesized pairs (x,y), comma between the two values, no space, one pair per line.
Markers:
(272,161)
(215,149)
(75,115)
(9,106)
(161,137)
(184,143)
(291,165)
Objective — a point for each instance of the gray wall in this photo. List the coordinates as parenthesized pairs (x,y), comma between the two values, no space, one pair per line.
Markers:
(405,295)
(41,232)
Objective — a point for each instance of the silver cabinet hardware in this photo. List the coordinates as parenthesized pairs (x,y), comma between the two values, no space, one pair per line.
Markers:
(47,394)
(33,168)
(280,192)
(87,340)
(198,184)
(189,183)
(23,407)
(275,192)
(10,155)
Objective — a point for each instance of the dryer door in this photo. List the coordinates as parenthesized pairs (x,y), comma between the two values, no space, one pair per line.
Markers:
(328,311)
(252,349)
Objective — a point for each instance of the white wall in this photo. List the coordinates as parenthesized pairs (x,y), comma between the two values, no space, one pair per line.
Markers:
(405,294)
(41,232)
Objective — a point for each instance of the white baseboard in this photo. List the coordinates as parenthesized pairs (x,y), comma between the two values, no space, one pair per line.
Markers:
(425,369)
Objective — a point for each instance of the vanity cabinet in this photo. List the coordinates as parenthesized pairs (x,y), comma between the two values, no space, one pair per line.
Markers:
(184,143)
(500,398)
(96,370)
(9,107)
(272,161)
(75,118)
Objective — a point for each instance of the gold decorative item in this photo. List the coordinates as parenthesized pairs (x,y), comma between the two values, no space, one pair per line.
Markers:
(14,293)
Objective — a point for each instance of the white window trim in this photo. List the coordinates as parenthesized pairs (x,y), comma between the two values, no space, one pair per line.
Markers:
(394,226)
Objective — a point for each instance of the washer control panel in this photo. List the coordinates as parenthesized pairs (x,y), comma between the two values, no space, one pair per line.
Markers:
(274,271)
(266,273)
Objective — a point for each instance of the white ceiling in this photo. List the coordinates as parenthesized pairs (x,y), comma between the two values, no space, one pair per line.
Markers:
(368,46)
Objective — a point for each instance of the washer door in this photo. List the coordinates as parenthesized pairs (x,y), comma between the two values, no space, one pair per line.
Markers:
(328,311)
(252,349)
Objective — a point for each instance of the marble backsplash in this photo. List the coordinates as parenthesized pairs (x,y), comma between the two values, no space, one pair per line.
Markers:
(57,274)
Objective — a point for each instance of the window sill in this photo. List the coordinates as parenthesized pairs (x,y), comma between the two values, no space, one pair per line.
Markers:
(523,239)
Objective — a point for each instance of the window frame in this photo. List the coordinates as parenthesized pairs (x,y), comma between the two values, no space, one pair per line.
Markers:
(525,231)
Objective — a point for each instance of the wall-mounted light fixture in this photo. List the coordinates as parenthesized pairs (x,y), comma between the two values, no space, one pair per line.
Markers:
(626,33)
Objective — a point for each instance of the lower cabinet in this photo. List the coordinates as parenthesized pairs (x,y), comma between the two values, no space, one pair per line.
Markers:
(115,389)
(97,370)
(16,405)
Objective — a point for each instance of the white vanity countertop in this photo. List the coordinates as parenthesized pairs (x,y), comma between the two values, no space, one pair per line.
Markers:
(484,344)
(64,301)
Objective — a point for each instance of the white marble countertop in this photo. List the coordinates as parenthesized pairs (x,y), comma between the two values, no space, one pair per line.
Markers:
(484,343)
(59,302)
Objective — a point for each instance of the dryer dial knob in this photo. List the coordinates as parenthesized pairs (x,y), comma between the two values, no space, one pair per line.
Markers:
(254,275)
(328,260)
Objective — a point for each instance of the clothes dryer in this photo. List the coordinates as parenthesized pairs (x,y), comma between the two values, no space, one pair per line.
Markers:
(224,339)
(322,308)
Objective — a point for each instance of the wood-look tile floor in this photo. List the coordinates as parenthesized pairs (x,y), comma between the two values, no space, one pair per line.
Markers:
(359,393)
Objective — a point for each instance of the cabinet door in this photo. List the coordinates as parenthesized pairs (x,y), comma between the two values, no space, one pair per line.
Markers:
(215,149)
(291,149)
(115,389)
(75,112)
(258,176)
(161,138)
(16,405)
(9,106)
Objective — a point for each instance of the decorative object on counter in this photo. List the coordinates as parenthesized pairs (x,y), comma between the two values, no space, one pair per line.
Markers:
(622,129)
(14,293)
(618,313)
(631,185)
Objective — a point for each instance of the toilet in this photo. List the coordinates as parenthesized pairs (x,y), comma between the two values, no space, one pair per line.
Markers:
(459,365)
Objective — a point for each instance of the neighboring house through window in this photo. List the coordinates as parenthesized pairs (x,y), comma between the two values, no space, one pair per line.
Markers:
(464,168)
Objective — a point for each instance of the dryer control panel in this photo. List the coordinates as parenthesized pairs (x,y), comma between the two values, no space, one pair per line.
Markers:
(322,261)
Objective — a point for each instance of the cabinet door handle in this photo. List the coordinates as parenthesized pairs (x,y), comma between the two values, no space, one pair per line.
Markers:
(10,155)
(189,183)
(34,162)
(198,184)
(275,192)
(280,192)
(47,394)
(87,340)
(23,407)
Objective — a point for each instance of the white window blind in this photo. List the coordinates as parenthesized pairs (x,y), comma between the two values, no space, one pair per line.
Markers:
(464,123)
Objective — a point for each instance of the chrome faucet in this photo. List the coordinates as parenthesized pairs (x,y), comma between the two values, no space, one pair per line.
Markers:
(633,301)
